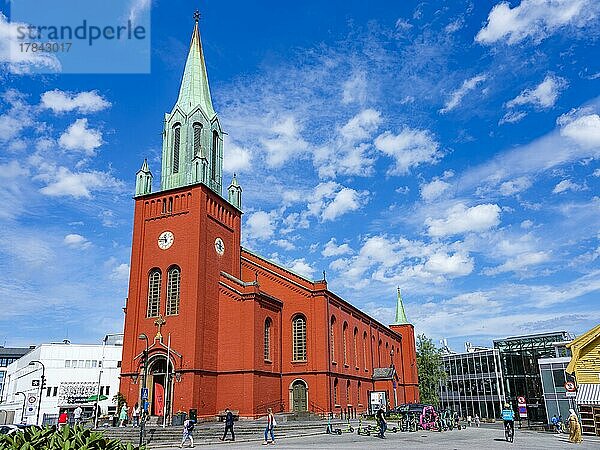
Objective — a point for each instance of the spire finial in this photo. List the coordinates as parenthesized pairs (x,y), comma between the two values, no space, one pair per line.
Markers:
(196,16)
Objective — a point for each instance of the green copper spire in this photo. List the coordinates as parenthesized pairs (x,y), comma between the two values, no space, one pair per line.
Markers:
(400,314)
(194,90)
(143,180)
(235,193)
(192,135)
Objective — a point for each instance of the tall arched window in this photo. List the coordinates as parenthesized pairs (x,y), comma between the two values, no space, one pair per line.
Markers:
(299,338)
(335,391)
(213,155)
(197,138)
(358,394)
(176,145)
(345,342)
(332,332)
(267,344)
(173,288)
(379,353)
(355,347)
(154,280)
(365,350)
(348,400)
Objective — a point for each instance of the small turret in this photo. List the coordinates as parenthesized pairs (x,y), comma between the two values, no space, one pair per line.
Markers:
(143,180)
(235,193)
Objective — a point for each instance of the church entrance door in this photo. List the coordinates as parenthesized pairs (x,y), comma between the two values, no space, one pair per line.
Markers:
(299,396)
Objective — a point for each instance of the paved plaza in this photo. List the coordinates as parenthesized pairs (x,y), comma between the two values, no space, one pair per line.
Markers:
(488,437)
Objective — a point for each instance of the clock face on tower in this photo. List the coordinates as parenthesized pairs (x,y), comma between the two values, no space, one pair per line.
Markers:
(165,240)
(219,246)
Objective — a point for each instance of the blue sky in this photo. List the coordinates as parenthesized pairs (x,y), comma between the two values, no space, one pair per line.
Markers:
(450,148)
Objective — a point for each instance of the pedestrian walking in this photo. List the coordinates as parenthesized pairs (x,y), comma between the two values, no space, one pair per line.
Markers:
(469,419)
(381,422)
(188,428)
(123,415)
(271,423)
(574,428)
(228,424)
(77,415)
(135,415)
(477,421)
(554,422)
(62,418)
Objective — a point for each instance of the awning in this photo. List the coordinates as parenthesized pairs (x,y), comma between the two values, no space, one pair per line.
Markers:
(588,394)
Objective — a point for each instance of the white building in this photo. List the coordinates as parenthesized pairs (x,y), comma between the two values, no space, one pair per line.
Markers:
(72,374)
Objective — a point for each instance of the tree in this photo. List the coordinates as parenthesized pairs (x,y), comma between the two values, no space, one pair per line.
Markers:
(431,370)
(119,399)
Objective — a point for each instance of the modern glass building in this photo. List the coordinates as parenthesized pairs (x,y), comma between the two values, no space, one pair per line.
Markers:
(519,357)
(474,383)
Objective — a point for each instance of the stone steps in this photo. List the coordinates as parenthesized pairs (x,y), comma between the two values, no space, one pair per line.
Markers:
(209,433)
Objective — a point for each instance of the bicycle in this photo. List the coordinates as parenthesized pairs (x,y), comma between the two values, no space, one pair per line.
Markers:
(509,432)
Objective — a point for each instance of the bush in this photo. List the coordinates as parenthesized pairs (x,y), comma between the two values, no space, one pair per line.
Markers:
(68,438)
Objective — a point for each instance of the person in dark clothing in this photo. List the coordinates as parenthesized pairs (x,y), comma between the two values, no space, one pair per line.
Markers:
(228,424)
(381,422)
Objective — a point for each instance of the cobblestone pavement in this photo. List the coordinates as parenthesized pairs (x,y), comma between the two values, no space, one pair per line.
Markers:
(487,438)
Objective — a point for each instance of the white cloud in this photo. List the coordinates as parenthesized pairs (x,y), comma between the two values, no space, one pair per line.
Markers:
(63,182)
(410,148)
(18,116)
(515,186)
(454,265)
(512,117)
(361,126)
(301,267)
(76,241)
(237,159)
(457,96)
(544,95)
(432,190)
(330,200)
(535,19)
(284,142)
(519,263)
(83,102)
(596,173)
(79,137)
(137,8)
(526,224)
(332,249)
(120,272)
(585,129)
(355,89)
(461,219)
(20,62)
(284,244)
(566,185)
(260,225)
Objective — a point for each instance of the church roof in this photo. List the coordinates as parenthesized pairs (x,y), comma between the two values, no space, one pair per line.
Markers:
(194,90)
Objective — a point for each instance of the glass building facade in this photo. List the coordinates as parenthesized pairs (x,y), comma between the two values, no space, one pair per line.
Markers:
(554,377)
(474,383)
(519,357)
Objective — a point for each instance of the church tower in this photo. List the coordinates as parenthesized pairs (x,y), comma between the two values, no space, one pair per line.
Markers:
(192,135)
(184,237)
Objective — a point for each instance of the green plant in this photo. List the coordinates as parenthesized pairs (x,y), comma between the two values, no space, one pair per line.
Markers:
(119,399)
(68,438)
(430,370)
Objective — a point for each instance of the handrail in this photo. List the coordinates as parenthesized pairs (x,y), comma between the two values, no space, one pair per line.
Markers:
(276,405)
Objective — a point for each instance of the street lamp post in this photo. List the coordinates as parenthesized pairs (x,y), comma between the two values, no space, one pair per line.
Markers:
(143,337)
(96,406)
(37,420)
(24,400)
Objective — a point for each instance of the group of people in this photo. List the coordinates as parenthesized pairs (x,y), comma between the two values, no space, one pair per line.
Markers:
(471,420)
(189,425)
(135,415)
(508,416)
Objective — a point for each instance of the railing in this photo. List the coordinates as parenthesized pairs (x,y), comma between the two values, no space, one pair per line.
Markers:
(276,406)
(318,410)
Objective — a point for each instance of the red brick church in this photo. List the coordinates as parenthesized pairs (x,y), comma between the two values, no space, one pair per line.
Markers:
(223,326)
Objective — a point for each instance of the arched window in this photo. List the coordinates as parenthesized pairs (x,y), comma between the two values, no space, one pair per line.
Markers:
(365,350)
(355,347)
(176,145)
(345,342)
(213,157)
(267,344)
(358,394)
(173,288)
(299,338)
(348,400)
(332,332)
(154,280)
(379,353)
(197,138)
(335,391)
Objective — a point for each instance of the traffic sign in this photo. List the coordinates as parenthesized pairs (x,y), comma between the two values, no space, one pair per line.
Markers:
(144,393)
(570,386)
(30,405)
(521,400)
(35,383)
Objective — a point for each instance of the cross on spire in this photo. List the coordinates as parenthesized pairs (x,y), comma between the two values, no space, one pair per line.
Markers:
(159,323)
(196,15)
